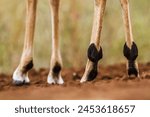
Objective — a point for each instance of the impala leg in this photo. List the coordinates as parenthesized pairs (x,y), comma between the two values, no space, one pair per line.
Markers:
(56,61)
(20,75)
(130,48)
(95,50)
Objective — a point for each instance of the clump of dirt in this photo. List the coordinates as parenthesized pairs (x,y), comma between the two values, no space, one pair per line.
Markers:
(111,83)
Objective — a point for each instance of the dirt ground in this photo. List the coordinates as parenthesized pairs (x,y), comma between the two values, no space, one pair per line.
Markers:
(111,83)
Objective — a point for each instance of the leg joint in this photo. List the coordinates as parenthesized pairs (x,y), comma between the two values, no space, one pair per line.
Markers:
(131,54)
(93,54)
(28,67)
(56,69)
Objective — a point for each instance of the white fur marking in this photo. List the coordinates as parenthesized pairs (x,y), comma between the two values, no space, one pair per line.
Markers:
(50,80)
(83,80)
(19,76)
(60,80)
(27,80)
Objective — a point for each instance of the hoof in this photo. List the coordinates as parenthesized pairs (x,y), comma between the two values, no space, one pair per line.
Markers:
(132,72)
(54,76)
(83,80)
(60,81)
(20,78)
(18,83)
(51,80)
(92,75)
(93,72)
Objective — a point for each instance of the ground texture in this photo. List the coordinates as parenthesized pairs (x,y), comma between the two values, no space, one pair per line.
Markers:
(111,83)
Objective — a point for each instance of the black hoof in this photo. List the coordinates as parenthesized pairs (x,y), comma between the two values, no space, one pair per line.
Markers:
(18,83)
(93,73)
(133,71)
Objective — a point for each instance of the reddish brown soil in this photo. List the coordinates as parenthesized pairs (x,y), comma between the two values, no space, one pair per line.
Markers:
(111,83)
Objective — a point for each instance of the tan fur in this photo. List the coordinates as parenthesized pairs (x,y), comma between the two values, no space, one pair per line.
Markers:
(127,22)
(29,32)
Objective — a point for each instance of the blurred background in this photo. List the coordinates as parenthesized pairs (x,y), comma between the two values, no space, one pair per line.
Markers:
(76,19)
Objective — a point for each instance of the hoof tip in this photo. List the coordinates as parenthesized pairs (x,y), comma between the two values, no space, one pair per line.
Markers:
(132,72)
(92,75)
(18,83)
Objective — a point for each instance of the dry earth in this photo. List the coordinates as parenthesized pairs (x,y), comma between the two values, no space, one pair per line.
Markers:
(111,83)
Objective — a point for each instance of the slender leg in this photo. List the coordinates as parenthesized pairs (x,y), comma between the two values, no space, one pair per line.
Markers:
(130,48)
(56,61)
(20,75)
(95,51)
